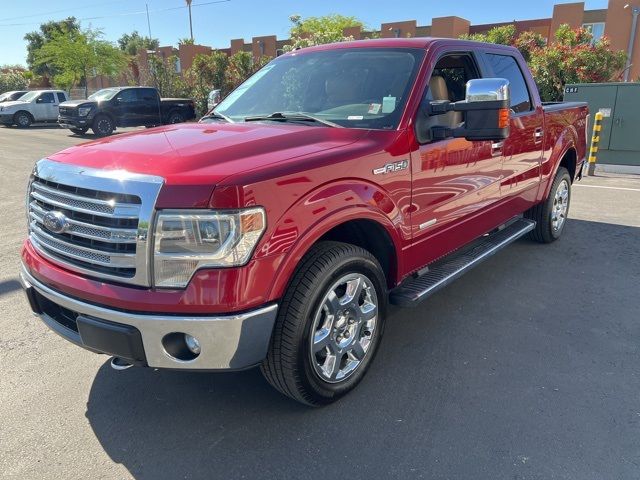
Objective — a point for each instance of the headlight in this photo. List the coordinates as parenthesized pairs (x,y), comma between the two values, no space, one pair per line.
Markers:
(84,111)
(187,241)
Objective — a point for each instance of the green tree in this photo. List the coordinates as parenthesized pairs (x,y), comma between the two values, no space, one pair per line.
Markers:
(241,66)
(164,76)
(572,58)
(526,42)
(206,73)
(575,58)
(319,30)
(37,39)
(132,44)
(12,79)
(79,55)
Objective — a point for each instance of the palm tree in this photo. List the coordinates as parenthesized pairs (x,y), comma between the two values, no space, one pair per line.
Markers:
(190,23)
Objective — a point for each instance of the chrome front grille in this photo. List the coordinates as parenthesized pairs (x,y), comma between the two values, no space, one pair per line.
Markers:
(93,221)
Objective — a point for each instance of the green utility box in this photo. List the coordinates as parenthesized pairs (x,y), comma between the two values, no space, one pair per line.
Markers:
(620,105)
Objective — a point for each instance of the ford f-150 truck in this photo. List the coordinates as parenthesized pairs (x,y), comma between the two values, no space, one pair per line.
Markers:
(37,106)
(334,181)
(123,107)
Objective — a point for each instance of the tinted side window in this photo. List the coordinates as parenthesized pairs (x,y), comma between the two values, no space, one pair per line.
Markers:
(46,98)
(505,66)
(148,95)
(128,96)
(61,97)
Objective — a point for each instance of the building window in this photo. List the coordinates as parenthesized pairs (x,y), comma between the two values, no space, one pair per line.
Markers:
(596,29)
(178,66)
(397,32)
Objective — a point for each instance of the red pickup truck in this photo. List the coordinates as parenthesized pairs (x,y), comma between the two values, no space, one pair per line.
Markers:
(275,232)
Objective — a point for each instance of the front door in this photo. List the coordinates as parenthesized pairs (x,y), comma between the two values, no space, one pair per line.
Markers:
(45,108)
(452,178)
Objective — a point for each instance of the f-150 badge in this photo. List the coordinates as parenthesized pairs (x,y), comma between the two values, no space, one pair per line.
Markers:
(391,167)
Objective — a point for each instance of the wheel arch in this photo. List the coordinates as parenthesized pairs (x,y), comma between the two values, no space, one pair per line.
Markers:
(362,227)
(24,111)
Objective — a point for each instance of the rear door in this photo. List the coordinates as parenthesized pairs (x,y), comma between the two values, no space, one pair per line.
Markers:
(522,151)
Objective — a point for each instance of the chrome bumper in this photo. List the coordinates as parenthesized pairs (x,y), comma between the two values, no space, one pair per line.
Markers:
(227,341)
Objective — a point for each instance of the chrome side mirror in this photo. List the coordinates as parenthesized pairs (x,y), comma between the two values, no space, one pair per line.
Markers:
(486,111)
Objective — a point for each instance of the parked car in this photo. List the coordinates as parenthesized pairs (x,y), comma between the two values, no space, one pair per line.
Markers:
(213,98)
(11,96)
(110,108)
(37,106)
(272,237)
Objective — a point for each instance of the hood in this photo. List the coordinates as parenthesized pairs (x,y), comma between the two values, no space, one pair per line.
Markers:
(205,153)
(13,103)
(76,103)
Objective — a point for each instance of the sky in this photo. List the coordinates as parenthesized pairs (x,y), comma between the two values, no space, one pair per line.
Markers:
(215,22)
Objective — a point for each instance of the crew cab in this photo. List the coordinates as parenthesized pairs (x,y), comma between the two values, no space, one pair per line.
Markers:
(11,96)
(37,106)
(274,233)
(123,107)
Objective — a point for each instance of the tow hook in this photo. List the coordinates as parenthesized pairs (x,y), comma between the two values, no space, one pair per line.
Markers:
(119,364)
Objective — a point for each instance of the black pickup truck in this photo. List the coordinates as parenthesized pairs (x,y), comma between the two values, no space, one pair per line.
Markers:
(123,107)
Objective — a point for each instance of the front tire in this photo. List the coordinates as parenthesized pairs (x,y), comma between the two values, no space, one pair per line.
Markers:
(329,325)
(175,117)
(551,215)
(103,126)
(23,119)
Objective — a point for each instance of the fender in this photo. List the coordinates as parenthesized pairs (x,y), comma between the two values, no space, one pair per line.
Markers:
(565,141)
(322,210)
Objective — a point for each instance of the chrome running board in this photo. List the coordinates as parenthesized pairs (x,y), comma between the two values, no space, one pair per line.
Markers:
(454,265)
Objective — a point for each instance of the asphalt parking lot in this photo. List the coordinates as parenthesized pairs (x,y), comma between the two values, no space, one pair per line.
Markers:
(526,368)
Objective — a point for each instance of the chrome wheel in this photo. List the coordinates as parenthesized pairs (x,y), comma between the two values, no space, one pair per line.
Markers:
(560,206)
(343,327)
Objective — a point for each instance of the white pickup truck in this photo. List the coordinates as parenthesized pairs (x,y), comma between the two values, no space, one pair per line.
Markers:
(37,106)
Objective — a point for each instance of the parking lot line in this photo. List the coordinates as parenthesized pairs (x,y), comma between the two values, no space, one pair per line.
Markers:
(608,188)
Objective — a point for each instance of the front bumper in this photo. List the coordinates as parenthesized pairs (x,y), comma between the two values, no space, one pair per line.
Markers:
(6,118)
(228,342)
(74,122)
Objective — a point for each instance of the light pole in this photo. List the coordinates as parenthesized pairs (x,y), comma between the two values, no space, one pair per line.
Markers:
(190,23)
(635,11)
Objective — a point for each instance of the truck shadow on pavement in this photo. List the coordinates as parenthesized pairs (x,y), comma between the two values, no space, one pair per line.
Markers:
(505,373)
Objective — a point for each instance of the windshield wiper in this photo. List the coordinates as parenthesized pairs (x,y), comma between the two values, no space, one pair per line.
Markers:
(293,117)
(217,116)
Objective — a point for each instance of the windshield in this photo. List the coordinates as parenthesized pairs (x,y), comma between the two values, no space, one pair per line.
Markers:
(104,94)
(352,87)
(27,97)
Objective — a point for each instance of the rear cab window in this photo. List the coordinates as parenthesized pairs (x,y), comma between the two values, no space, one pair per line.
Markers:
(506,66)
(61,97)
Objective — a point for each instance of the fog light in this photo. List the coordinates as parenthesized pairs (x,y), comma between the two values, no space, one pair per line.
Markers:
(192,344)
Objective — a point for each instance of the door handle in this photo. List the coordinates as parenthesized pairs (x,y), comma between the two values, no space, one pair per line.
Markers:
(538,135)
(496,148)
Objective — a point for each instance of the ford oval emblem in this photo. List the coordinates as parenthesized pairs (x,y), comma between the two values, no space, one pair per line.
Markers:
(55,222)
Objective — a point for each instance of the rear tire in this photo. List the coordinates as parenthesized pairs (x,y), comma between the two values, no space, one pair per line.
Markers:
(23,119)
(551,215)
(329,324)
(103,126)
